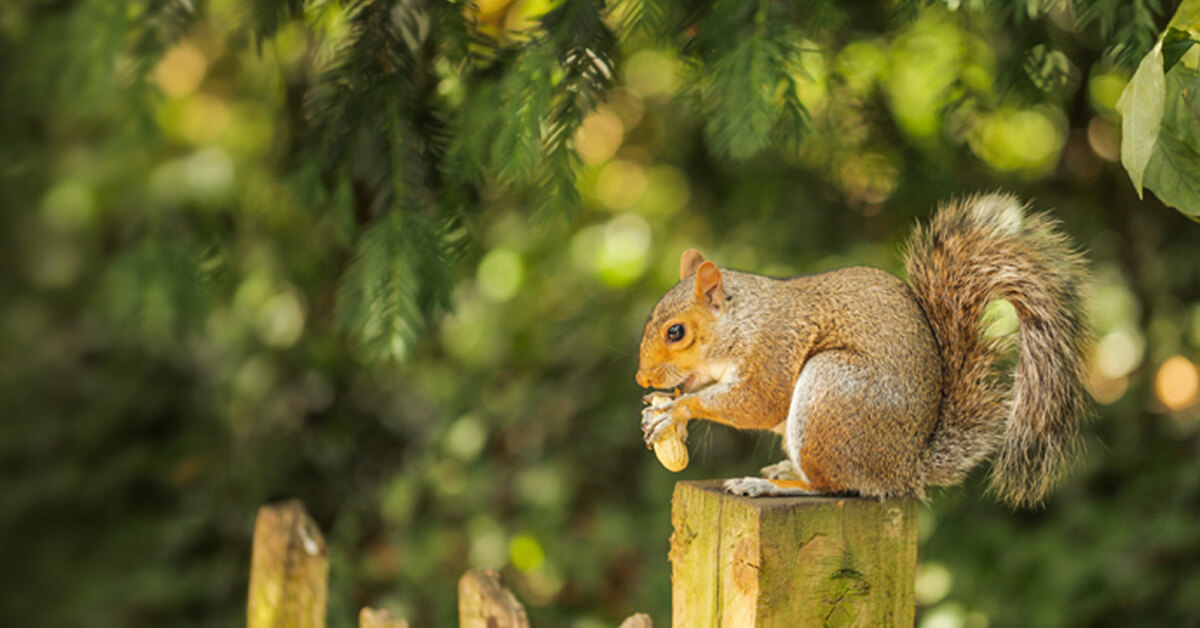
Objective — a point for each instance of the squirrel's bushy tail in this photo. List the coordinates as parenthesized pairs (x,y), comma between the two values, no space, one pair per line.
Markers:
(975,251)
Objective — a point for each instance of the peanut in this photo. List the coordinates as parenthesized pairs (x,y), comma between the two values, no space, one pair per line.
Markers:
(671,450)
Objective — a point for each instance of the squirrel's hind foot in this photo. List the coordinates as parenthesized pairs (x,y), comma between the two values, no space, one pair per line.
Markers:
(783,470)
(762,487)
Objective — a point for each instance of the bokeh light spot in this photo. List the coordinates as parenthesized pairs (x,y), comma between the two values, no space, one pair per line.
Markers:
(599,136)
(69,205)
(652,74)
(933,583)
(203,118)
(1105,138)
(181,70)
(620,184)
(948,615)
(465,438)
(1177,383)
(1119,352)
(812,77)
(860,65)
(1105,90)
(626,244)
(1000,318)
(526,553)
(1106,390)
(279,321)
(667,191)
(500,274)
(489,543)
(1024,140)
(209,173)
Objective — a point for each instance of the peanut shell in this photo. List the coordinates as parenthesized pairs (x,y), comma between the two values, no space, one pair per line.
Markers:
(671,450)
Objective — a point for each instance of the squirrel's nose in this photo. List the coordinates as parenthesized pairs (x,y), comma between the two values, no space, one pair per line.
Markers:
(642,378)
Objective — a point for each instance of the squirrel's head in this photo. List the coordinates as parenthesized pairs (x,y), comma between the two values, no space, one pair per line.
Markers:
(674,351)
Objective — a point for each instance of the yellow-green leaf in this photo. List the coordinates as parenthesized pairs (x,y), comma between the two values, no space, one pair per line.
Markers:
(1187,17)
(1141,108)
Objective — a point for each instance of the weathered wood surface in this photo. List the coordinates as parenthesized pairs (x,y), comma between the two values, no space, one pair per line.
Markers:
(483,602)
(738,562)
(289,569)
(379,618)
(637,620)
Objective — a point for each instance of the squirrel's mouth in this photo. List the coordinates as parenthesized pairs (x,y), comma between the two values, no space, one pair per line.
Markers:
(687,385)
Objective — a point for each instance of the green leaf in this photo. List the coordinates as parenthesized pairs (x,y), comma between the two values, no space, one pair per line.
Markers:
(1176,43)
(1191,98)
(1181,111)
(1173,174)
(1141,107)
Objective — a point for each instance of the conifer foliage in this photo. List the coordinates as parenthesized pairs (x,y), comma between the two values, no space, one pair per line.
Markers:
(410,111)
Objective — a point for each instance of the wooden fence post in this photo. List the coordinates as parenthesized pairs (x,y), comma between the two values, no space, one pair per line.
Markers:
(802,561)
(289,569)
(379,618)
(484,603)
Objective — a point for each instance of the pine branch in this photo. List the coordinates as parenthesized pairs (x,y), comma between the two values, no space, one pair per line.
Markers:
(376,118)
(161,24)
(544,90)
(402,272)
(525,93)
(1130,25)
(645,18)
(586,51)
(749,98)
(154,289)
(267,16)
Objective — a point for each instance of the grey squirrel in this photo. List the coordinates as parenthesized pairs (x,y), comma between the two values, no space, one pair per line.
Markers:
(881,387)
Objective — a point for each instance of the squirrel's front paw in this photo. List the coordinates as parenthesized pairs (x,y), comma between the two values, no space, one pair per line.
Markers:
(656,420)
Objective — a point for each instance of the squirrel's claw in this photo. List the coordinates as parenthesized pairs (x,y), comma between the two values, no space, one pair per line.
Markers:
(655,421)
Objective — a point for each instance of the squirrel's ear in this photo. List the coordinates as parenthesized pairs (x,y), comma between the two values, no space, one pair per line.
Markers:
(708,285)
(689,262)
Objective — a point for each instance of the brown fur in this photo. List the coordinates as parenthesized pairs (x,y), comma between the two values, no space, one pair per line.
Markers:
(973,252)
(894,387)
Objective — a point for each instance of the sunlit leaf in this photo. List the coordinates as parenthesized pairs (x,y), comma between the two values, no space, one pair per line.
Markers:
(1173,171)
(1141,107)
(1187,17)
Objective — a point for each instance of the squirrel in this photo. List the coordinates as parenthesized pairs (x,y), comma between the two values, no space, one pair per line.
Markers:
(881,387)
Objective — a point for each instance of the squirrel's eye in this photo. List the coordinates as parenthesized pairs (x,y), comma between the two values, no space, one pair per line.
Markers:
(675,332)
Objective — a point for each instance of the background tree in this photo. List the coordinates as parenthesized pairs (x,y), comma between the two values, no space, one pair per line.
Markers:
(393,257)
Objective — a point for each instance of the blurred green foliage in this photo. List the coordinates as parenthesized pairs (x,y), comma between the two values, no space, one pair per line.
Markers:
(393,257)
